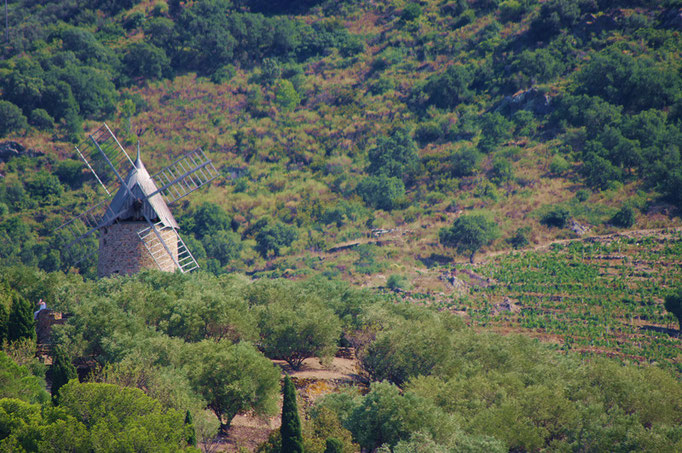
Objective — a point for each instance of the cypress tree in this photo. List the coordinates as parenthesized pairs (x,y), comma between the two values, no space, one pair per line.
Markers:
(334,446)
(3,322)
(20,323)
(292,440)
(191,433)
(61,372)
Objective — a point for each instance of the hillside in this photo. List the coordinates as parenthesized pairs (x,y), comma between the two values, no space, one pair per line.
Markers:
(354,140)
(399,117)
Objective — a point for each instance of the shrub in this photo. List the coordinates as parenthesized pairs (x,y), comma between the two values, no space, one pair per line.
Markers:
(41,119)
(382,192)
(411,12)
(582,195)
(465,161)
(396,281)
(450,88)
(556,217)
(11,118)
(520,238)
(495,129)
(559,165)
(624,218)
(285,95)
(502,170)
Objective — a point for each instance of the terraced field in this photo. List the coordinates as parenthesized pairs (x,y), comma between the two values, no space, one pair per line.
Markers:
(599,296)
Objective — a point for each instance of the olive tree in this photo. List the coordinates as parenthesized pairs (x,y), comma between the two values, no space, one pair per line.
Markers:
(468,234)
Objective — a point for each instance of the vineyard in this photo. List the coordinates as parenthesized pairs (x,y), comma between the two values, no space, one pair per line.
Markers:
(597,296)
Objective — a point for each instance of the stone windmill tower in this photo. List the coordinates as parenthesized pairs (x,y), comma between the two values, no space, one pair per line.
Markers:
(133,223)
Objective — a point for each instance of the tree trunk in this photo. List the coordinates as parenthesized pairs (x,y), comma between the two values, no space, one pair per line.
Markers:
(471,258)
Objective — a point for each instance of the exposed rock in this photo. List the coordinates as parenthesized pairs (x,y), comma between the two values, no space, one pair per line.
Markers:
(10,150)
(531,99)
(507,306)
(578,228)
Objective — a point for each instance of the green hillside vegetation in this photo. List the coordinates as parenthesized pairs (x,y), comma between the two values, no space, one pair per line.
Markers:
(393,174)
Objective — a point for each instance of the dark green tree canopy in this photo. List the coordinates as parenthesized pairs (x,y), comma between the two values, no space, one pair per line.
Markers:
(20,323)
(469,233)
(290,431)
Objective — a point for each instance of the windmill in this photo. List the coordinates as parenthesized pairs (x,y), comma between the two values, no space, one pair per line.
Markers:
(133,224)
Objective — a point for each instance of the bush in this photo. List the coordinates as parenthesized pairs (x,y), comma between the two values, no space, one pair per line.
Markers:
(624,218)
(465,161)
(396,281)
(411,12)
(502,170)
(41,119)
(520,238)
(559,165)
(495,129)
(11,118)
(285,95)
(450,88)
(556,217)
(382,192)
(582,195)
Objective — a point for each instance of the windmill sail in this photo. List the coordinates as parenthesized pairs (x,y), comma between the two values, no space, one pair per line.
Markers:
(185,175)
(106,158)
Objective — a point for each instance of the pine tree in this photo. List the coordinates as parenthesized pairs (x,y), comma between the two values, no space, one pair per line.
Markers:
(292,440)
(191,433)
(61,372)
(20,323)
(334,446)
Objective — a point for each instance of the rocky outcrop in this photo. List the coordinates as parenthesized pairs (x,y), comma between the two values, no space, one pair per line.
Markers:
(531,99)
(10,150)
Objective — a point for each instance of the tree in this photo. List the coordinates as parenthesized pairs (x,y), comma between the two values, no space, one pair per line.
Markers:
(191,432)
(11,118)
(122,419)
(146,61)
(61,372)
(292,439)
(20,324)
(411,349)
(495,128)
(17,382)
(286,95)
(207,219)
(382,192)
(232,378)
(394,155)
(273,238)
(673,303)
(385,416)
(469,233)
(224,246)
(295,325)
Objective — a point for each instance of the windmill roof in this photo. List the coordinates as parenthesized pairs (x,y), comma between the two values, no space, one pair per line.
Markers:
(132,201)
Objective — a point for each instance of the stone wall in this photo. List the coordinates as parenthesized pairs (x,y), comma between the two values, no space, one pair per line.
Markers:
(122,252)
